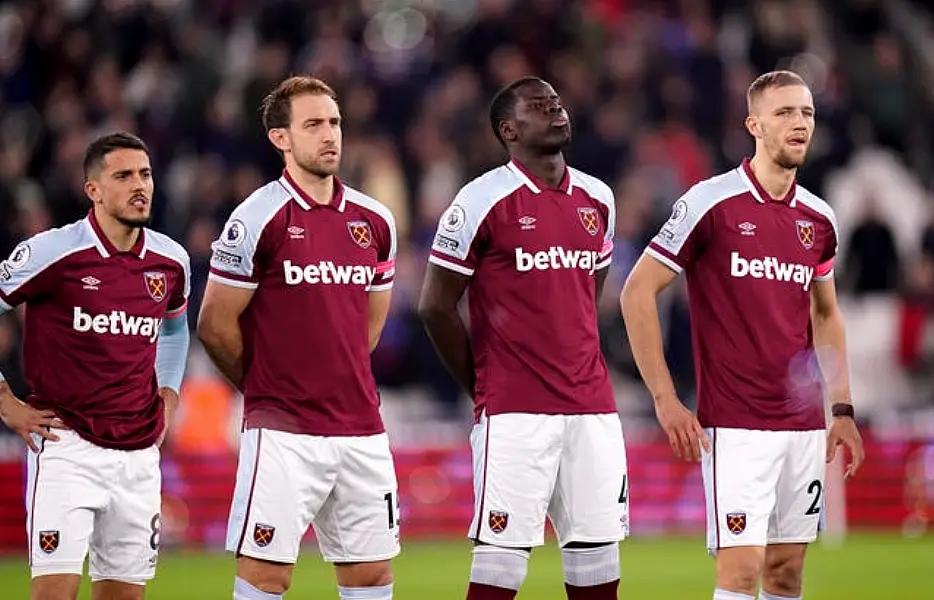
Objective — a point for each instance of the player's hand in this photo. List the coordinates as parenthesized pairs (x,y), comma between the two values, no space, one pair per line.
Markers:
(26,420)
(170,399)
(682,428)
(843,431)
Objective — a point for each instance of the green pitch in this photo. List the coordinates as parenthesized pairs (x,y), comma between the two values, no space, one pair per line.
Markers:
(866,567)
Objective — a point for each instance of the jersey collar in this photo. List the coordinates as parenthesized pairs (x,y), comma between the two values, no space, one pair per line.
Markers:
(534,183)
(758,192)
(307,202)
(104,245)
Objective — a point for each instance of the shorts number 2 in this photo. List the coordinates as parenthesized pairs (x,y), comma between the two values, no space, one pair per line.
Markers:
(814,489)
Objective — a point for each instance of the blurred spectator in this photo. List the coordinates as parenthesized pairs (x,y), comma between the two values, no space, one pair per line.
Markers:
(872,260)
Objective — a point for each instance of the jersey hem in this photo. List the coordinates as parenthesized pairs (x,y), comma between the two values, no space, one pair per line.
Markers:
(361,432)
(760,427)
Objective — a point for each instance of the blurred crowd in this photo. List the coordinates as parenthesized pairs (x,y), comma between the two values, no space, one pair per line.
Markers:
(656,90)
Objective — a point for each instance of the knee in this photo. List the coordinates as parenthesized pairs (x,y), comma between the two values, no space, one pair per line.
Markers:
(499,567)
(782,575)
(588,564)
(738,569)
(269,577)
(364,575)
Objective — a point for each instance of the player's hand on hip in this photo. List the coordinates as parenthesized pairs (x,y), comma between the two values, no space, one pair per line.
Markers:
(843,431)
(26,420)
(685,435)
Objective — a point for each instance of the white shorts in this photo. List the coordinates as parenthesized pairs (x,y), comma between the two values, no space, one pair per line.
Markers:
(81,497)
(571,468)
(344,486)
(763,487)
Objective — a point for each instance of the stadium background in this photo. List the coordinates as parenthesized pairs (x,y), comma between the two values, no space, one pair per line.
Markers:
(656,93)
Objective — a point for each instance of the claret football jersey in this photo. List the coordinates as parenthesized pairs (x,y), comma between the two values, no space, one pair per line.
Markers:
(531,253)
(305,331)
(93,316)
(751,262)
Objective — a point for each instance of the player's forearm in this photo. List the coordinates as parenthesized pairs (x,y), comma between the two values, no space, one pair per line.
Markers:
(449,336)
(224,346)
(830,342)
(172,352)
(640,313)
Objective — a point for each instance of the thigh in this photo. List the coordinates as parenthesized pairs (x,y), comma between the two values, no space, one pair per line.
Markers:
(515,457)
(591,498)
(740,477)
(283,479)
(125,542)
(359,521)
(799,505)
(66,487)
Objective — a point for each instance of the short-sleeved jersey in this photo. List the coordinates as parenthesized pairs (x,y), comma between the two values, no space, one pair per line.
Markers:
(531,252)
(93,316)
(750,262)
(305,332)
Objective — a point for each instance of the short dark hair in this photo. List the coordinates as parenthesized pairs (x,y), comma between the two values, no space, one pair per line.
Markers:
(98,149)
(772,79)
(503,105)
(276,107)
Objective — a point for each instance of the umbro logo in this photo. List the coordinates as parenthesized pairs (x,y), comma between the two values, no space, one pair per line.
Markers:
(91,283)
(296,233)
(747,228)
(527,222)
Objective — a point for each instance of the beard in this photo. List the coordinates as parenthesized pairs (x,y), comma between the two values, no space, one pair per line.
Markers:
(136,222)
(315,167)
(786,161)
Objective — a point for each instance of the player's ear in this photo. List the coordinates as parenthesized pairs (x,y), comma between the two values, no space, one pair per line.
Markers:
(507,131)
(279,139)
(752,126)
(91,190)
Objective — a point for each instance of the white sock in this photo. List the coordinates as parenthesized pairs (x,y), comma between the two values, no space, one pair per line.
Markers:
(244,591)
(585,567)
(719,594)
(383,592)
(764,595)
(499,567)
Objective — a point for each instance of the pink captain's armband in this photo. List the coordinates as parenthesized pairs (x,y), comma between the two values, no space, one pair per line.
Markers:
(607,247)
(824,268)
(385,267)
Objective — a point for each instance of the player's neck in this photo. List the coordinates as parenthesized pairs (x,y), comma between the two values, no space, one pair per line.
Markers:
(775,179)
(549,168)
(122,236)
(320,189)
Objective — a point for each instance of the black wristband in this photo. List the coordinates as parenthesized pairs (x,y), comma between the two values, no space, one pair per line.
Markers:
(842,409)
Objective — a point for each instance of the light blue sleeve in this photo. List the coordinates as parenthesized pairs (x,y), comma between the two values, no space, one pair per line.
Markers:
(3,309)
(172,351)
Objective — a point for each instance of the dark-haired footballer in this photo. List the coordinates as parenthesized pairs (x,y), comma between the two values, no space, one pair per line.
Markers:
(530,242)
(105,345)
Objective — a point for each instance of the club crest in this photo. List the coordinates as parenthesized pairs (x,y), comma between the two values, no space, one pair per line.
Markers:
(263,534)
(589,219)
(360,233)
(48,541)
(736,522)
(155,284)
(498,521)
(805,233)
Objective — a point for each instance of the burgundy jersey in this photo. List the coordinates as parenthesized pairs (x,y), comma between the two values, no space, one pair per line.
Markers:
(531,252)
(750,261)
(93,315)
(305,332)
